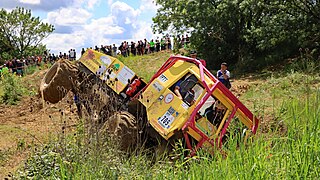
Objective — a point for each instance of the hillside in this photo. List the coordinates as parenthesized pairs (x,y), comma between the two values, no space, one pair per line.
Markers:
(50,141)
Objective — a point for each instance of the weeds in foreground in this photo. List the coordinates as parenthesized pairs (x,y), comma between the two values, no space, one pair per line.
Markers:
(12,88)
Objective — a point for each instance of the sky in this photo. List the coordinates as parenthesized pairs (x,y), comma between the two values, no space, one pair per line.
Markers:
(86,23)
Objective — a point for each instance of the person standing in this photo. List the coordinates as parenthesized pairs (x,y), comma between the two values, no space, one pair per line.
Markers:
(152,46)
(82,51)
(114,50)
(146,49)
(224,75)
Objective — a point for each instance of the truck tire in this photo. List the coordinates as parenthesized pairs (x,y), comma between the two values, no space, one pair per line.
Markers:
(58,81)
(122,127)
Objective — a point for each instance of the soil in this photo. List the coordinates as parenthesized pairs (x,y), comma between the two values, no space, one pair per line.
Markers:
(28,124)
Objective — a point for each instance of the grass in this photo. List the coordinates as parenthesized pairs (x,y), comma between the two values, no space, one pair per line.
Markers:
(1,89)
(147,65)
(287,145)
(13,88)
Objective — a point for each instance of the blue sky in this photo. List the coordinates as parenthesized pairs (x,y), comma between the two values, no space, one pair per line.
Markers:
(86,23)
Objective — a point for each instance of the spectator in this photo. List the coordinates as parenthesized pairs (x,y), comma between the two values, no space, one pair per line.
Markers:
(14,65)
(142,47)
(20,67)
(72,54)
(145,46)
(147,50)
(163,44)
(114,50)
(224,75)
(187,40)
(177,42)
(151,46)
(103,49)
(54,58)
(133,48)
(75,54)
(124,49)
(169,46)
(60,55)
(157,45)
(109,50)
(138,47)
(127,49)
(182,41)
(3,69)
(193,54)
(82,51)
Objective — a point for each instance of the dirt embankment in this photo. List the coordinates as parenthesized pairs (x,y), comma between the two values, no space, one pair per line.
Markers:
(28,124)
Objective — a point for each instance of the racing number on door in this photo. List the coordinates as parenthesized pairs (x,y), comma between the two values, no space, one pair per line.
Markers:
(166,120)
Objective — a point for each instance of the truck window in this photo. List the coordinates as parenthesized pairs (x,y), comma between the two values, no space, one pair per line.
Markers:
(215,112)
(187,89)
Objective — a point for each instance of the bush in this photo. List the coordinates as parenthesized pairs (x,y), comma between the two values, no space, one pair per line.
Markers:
(12,89)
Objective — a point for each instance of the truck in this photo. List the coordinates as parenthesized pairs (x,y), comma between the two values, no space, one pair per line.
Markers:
(183,100)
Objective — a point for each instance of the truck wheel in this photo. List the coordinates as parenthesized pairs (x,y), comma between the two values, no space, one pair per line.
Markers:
(122,127)
(58,81)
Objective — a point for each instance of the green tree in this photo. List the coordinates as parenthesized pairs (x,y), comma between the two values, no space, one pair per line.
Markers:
(251,33)
(217,27)
(21,32)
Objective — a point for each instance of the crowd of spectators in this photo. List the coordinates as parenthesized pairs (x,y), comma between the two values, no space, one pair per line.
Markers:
(135,48)
(125,49)
(19,65)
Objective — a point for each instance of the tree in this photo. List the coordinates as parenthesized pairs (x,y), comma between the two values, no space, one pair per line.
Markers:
(20,31)
(247,32)
(217,27)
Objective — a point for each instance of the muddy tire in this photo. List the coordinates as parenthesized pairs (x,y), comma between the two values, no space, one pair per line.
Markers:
(58,81)
(122,128)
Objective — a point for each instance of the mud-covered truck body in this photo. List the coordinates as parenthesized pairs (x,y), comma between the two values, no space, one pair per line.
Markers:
(182,100)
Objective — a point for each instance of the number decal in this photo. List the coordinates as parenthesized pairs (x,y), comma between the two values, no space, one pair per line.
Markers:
(166,120)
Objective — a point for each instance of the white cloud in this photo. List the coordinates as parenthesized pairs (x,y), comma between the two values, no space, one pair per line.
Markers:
(92,3)
(44,5)
(76,28)
(30,1)
(143,31)
(63,42)
(102,28)
(68,17)
(122,10)
(148,5)
(110,2)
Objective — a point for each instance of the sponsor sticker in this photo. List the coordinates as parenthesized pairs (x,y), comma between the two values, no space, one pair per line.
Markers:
(185,105)
(163,78)
(106,60)
(157,86)
(168,98)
